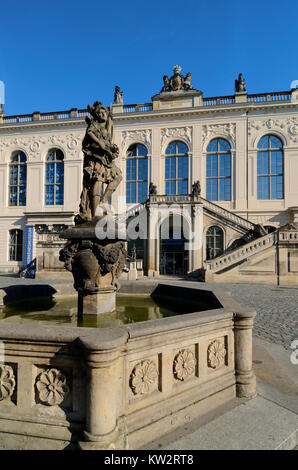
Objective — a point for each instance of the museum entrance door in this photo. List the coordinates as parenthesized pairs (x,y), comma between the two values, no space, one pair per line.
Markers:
(173,256)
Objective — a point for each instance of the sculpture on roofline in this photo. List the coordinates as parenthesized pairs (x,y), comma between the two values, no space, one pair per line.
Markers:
(99,167)
(118,95)
(240,84)
(177,81)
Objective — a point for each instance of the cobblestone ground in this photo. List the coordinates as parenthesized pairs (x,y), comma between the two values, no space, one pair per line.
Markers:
(276,306)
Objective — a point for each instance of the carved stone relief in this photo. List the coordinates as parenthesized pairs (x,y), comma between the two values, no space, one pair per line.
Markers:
(143,377)
(176,133)
(216,130)
(288,127)
(52,387)
(7,382)
(141,136)
(184,365)
(216,354)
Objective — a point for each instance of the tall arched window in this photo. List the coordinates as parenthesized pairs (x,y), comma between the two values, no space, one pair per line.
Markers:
(218,170)
(15,245)
(54,193)
(270,168)
(176,168)
(214,242)
(136,173)
(17,179)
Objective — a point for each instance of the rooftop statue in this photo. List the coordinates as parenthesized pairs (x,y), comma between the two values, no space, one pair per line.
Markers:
(118,95)
(177,81)
(99,155)
(240,84)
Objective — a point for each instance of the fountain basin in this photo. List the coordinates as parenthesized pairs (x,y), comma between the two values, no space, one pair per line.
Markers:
(124,386)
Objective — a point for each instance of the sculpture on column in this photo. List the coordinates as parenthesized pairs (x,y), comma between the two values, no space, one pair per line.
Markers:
(99,155)
(96,262)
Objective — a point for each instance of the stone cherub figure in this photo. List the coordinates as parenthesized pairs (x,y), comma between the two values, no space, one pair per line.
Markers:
(99,167)
(152,189)
(240,84)
(186,84)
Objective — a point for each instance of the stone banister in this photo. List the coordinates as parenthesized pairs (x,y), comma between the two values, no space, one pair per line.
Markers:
(228,215)
(242,253)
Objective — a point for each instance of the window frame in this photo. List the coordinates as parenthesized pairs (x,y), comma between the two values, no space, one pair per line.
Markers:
(176,155)
(219,178)
(135,181)
(270,175)
(55,184)
(214,237)
(17,164)
(18,245)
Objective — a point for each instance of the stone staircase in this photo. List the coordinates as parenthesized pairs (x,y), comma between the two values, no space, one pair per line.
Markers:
(240,254)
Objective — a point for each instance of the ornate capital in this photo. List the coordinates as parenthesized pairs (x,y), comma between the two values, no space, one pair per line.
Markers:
(211,131)
(137,136)
(184,133)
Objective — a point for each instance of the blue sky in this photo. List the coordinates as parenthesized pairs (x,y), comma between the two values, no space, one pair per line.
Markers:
(55,55)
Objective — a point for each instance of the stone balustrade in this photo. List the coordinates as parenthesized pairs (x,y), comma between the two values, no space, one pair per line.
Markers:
(224,261)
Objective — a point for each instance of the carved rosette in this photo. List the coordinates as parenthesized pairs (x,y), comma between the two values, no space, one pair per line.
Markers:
(184,365)
(7,382)
(175,133)
(216,354)
(143,377)
(52,387)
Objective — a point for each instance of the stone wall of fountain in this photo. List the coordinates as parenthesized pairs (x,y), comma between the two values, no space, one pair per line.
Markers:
(125,386)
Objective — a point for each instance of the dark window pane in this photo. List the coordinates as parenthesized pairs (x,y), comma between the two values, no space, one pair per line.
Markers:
(132,151)
(13,177)
(59,172)
(276,162)
(170,187)
(59,155)
(264,142)
(130,193)
(14,158)
(13,196)
(181,148)
(212,146)
(275,143)
(50,195)
(22,157)
(224,146)
(211,190)
(142,192)
(59,194)
(225,165)
(131,170)
(263,187)
(225,189)
(142,150)
(51,156)
(23,174)
(276,187)
(50,172)
(170,168)
(182,167)
(22,196)
(143,169)
(263,163)
(171,149)
(211,165)
(182,187)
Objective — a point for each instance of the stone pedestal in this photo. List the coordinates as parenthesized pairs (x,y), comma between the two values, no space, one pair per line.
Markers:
(101,301)
(96,265)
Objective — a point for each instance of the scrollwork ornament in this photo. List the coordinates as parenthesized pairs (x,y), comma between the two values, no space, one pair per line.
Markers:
(52,387)
(143,377)
(216,354)
(184,365)
(7,382)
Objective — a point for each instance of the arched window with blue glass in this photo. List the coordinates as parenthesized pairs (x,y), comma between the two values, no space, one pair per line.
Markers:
(54,190)
(176,168)
(17,179)
(270,168)
(218,170)
(136,173)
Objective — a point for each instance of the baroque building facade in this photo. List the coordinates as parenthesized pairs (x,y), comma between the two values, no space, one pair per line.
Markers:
(242,149)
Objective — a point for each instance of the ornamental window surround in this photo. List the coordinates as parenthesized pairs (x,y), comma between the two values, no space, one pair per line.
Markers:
(17,179)
(54,184)
(15,245)
(218,170)
(270,168)
(177,168)
(136,174)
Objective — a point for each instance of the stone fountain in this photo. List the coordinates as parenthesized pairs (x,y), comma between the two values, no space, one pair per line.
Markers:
(95,257)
